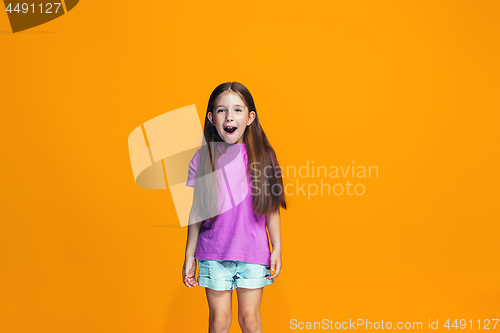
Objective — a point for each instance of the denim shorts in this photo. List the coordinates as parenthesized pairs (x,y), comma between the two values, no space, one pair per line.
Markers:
(229,275)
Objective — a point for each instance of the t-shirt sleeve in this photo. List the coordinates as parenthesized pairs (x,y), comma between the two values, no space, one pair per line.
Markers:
(193,166)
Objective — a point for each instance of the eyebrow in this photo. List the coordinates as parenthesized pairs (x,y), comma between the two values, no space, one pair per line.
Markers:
(234,105)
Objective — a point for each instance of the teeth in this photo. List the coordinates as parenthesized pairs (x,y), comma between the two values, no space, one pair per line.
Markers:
(230,129)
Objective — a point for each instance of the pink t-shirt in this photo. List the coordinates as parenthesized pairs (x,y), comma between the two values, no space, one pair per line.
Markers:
(238,234)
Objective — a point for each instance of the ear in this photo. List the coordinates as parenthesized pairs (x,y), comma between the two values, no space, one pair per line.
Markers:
(209,116)
(251,117)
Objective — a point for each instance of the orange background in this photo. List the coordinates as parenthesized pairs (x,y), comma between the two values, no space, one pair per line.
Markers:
(410,87)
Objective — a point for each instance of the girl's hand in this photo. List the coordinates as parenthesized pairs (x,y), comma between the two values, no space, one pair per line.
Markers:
(275,264)
(189,272)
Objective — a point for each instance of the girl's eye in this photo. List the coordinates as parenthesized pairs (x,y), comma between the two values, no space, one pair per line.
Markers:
(222,110)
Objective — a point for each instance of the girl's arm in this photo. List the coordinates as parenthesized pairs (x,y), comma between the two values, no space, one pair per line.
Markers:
(193,233)
(189,268)
(273,226)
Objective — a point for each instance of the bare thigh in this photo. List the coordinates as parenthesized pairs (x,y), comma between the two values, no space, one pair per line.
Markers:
(220,306)
(249,309)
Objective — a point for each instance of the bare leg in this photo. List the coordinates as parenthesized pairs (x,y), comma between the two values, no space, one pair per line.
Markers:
(249,309)
(220,305)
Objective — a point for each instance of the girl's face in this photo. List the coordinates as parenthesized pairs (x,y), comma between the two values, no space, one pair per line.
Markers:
(230,117)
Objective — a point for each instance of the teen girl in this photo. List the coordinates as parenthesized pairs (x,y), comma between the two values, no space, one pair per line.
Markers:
(238,191)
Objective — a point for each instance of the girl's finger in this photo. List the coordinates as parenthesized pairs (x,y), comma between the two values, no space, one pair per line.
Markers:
(273,266)
(192,282)
(273,270)
(276,273)
(272,276)
(186,282)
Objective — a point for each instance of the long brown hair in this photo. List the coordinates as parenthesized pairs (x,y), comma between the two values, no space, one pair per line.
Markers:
(261,157)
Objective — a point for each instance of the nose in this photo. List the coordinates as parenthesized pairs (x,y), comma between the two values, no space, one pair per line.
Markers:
(229,116)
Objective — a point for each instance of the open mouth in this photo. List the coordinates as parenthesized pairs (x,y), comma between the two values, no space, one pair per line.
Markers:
(229,129)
